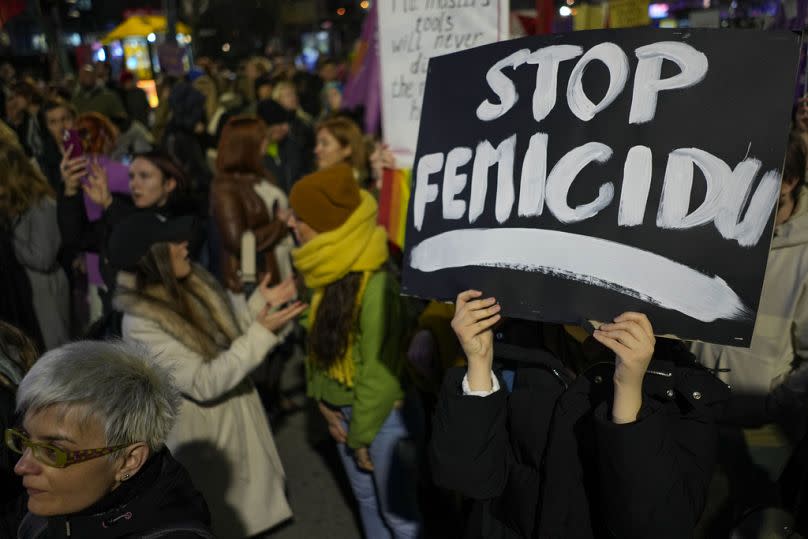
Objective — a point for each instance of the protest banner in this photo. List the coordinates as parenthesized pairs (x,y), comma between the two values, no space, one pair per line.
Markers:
(410,33)
(575,177)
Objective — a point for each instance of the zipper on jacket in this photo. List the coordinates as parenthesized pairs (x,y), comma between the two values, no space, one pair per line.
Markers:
(665,374)
(561,379)
(67,528)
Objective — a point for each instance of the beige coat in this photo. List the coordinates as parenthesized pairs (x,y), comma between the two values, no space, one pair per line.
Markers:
(780,339)
(222,435)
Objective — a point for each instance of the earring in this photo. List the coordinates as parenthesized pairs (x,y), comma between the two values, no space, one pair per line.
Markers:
(125,477)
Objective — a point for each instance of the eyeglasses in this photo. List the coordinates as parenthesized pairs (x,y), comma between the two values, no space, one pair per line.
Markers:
(51,455)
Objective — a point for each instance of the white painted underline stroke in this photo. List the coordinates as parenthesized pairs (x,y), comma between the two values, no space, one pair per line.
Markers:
(628,270)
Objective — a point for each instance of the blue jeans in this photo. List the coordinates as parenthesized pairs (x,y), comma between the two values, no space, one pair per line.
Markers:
(386,496)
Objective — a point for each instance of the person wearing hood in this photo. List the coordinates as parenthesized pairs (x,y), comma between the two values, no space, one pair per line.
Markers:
(95,418)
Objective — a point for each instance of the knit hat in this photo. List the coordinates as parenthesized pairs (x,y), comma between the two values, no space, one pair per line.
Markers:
(324,200)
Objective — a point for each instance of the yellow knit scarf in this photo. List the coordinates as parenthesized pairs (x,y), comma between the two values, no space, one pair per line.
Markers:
(359,245)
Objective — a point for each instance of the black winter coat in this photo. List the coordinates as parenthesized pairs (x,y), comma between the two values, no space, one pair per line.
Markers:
(545,461)
(160,501)
(79,234)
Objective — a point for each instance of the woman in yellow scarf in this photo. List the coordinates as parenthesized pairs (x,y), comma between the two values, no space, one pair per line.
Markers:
(355,331)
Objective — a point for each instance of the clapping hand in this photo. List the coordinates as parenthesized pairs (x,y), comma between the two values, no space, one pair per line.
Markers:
(275,320)
(276,296)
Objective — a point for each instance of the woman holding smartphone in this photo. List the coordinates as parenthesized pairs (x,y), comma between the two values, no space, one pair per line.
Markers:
(99,193)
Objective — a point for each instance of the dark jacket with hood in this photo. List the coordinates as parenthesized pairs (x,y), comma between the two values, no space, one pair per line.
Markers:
(544,460)
(159,501)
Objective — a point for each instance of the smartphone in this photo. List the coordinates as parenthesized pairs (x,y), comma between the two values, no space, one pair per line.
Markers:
(72,140)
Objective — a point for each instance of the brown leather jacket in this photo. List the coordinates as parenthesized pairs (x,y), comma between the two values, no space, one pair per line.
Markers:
(236,208)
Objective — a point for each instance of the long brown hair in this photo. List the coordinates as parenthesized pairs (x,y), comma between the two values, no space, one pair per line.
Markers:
(22,185)
(155,269)
(348,133)
(335,321)
(240,147)
(98,134)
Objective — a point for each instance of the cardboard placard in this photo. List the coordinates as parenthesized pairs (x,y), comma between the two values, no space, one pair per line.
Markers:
(580,176)
(410,33)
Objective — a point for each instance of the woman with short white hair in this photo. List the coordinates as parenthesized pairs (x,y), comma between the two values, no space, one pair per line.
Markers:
(95,417)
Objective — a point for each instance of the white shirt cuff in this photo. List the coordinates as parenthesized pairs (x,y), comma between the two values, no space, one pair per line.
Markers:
(467,390)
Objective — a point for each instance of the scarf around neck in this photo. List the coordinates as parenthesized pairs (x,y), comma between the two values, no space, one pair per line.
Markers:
(359,245)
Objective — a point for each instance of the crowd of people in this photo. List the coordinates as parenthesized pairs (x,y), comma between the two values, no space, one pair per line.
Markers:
(160,266)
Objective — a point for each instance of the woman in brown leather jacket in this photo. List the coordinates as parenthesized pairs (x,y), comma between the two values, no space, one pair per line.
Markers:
(244,197)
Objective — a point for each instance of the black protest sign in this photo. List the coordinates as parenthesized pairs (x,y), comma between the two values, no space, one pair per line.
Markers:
(579,176)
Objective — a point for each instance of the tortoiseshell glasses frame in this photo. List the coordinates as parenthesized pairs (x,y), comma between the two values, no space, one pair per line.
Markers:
(50,455)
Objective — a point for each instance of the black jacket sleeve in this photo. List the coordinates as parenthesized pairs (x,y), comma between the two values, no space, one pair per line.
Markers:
(79,234)
(491,449)
(654,473)
(470,450)
(73,224)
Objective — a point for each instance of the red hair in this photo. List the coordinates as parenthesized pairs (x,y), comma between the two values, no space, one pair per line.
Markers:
(98,134)
(240,147)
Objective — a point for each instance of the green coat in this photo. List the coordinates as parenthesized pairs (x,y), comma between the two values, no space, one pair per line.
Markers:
(378,355)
